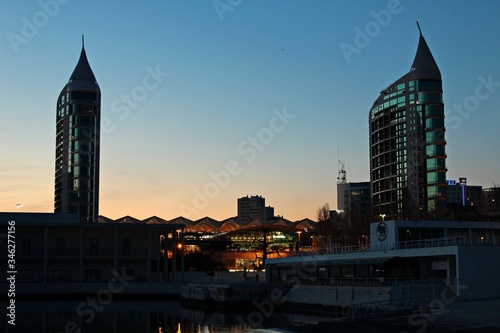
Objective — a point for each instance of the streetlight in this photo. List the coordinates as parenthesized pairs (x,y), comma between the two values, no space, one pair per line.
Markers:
(299,232)
(383,216)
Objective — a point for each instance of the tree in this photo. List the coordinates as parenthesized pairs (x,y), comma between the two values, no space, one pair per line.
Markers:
(325,230)
(323,213)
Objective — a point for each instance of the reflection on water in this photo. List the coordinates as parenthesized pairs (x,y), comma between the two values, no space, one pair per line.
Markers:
(111,316)
(126,317)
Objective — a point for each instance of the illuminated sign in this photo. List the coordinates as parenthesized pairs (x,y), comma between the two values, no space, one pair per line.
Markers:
(382,231)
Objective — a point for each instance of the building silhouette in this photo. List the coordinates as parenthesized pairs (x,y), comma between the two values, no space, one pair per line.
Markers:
(77,144)
(465,194)
(354,199)
(254,207)
(407,143)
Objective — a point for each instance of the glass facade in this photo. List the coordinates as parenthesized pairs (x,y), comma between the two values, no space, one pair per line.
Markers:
(407,144)
(77,145)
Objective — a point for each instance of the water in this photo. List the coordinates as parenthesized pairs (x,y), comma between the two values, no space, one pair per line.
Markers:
(144,317)
(171,317)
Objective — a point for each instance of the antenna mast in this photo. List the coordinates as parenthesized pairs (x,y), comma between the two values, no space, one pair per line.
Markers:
(342,177)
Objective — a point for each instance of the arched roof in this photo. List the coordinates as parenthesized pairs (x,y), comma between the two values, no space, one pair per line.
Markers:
(229,224)
(305,224)
(181,220)
(257,224)
(206,224)
(154,220)
(104,219)
(127,219)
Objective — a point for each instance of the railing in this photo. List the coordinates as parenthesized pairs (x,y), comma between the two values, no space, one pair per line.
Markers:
(342,281)
(410,244)
(369,309)
(216,280)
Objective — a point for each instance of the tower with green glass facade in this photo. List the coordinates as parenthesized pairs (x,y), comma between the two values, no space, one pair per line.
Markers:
(78,121)
(407,144)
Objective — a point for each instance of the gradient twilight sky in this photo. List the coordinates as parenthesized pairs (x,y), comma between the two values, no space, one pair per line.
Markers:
(258,93)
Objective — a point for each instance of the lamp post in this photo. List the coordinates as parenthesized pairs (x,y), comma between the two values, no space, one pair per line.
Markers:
(299,232)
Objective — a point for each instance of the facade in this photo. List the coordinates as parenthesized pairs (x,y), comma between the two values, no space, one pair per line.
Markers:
(354,199)
(254,207)
(407,143)
(416,259)
(459,193)
(491,209)
(77,144)
(59,248)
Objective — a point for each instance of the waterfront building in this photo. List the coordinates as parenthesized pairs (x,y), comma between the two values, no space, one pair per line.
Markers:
(253,207)
(412,258)
(58,248)
(78,122)
(407,143)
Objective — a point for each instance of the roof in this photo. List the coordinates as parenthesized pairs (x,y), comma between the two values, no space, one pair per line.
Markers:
(424,67)
(82,71)
(424,62)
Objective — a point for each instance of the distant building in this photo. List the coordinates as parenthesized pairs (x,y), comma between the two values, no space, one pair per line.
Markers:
(491,203)
(467,195)
(254,207)
(78,122)
(354,200)
(407,144)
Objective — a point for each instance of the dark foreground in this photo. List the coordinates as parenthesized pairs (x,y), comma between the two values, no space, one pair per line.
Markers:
(161,317)
(460,317)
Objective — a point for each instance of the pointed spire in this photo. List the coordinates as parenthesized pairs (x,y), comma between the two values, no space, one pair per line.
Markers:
(419,30)
(424,61)
(83,71)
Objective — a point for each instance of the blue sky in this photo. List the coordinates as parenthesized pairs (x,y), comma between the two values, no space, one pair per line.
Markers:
(249,97)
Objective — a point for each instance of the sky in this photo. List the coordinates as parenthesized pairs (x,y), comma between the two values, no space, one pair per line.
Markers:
(204,102)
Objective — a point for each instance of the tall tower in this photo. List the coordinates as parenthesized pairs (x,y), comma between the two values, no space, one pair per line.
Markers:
(78,123)
(407,143)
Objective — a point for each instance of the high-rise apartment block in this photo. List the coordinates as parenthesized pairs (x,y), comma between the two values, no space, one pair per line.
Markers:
(254,207)
(77,144)
(407,143)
